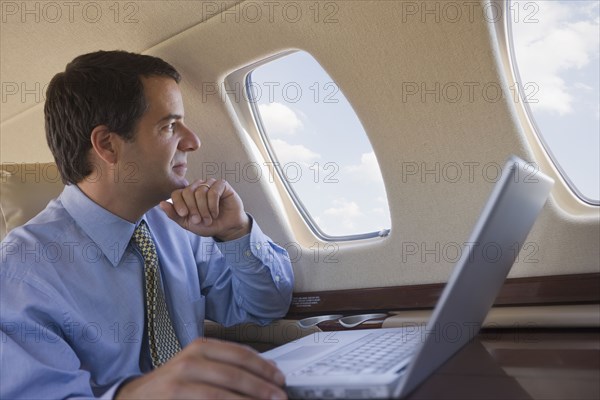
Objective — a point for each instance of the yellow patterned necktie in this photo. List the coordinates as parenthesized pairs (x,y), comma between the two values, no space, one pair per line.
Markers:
(161,335)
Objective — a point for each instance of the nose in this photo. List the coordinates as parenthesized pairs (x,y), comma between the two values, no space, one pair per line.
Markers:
(189,140)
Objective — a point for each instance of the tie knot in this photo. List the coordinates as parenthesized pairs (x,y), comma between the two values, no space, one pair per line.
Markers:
(141,230)
(142,238)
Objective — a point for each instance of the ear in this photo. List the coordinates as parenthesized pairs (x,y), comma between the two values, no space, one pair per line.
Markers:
(104,143)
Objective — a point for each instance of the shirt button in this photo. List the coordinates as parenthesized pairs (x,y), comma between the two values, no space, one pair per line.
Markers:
(248,253)
(257,246)
(277,278)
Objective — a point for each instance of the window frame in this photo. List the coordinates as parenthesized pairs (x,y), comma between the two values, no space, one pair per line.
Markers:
(245,74)
(528,113)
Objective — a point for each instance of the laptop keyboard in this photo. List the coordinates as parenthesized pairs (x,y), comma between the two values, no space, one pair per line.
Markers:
(374,354)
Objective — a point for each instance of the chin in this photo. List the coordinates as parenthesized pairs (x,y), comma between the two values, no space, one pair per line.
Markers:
(163,190)
(179,183)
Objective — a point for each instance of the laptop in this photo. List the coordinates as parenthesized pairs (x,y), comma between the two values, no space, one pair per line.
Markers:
(384,363)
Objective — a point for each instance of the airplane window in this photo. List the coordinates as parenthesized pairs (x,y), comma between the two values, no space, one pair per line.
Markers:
(555,49)
(320,148)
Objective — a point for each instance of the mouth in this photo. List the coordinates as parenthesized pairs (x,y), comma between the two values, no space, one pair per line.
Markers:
(180,168)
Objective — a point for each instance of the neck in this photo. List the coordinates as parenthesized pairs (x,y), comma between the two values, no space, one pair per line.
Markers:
(121,201)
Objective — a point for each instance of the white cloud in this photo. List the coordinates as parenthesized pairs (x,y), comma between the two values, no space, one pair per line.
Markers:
(279,119)
(341,218)
(547,50)
(583,86)
(343,207)
(382,200)
(378,211)
(288,153)
(367,169)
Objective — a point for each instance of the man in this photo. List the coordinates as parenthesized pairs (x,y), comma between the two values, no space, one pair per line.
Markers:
(104,293)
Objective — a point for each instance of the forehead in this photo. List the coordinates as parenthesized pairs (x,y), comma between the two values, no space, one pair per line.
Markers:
(162,95)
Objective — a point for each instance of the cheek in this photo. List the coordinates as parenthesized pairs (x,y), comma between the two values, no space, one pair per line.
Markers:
(152,155)
(165,152)
(160,149)
(131,154)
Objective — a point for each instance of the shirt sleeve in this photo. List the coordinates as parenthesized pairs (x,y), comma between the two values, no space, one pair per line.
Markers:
(249,279)
(36,360)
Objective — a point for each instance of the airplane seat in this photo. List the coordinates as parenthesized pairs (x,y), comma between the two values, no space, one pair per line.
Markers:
(25,190)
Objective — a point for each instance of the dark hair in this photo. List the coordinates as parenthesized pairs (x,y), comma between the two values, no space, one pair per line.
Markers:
(101,88)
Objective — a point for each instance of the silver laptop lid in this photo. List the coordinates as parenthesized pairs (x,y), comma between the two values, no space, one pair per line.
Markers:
(504,223)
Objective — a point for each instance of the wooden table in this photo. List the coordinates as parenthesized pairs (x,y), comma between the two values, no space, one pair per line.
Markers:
(516,364)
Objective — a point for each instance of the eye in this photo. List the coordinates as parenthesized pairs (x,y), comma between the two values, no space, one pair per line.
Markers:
(170,127)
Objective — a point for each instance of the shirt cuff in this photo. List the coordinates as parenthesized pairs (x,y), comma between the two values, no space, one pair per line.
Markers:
(251,250)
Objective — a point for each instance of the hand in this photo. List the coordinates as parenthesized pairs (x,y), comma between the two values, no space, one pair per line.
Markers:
(209,369)
(209,208)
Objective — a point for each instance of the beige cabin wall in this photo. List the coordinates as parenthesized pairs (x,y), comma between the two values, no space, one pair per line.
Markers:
(371,65)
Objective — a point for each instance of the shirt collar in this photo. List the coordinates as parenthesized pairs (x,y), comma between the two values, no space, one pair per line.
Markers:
(110,232)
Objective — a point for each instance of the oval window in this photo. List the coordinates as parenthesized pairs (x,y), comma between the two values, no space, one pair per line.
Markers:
(319,148)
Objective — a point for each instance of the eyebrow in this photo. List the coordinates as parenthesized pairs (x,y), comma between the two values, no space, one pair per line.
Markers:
(168,117)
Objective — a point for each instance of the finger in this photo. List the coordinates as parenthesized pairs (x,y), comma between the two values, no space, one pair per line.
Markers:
(235,379)
(201,196)
(201,190)
(241,356)
(191,203)
(171,381)
(204,391)
(215,196)
(169,209)
(179,203)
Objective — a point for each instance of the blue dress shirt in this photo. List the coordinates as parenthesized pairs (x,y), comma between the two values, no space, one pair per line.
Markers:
(72,295)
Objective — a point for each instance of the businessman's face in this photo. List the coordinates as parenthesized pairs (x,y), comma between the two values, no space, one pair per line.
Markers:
(157,157)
